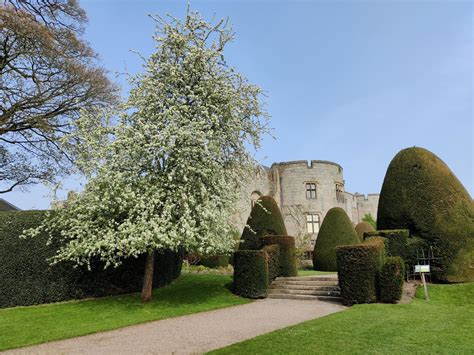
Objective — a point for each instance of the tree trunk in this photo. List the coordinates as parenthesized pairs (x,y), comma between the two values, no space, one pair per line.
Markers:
(148,277)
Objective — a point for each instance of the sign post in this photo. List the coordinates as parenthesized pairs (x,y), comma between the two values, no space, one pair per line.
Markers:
(422,269)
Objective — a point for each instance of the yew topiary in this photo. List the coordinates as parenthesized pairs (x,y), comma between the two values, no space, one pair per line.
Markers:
(265,219)
(362,228)
(336,230)
(420,193)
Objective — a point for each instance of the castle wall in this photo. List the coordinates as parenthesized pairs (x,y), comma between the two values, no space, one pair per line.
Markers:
(286,183)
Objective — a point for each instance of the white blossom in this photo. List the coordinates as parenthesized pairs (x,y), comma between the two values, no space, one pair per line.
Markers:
(167,172)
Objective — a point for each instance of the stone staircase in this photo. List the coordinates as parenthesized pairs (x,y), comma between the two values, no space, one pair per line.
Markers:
(320,287)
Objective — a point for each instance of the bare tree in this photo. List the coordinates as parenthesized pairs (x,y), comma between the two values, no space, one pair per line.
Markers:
(48,74)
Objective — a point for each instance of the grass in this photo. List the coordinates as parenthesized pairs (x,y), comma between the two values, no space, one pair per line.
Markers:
(445,324)
(21,326)
(314,272)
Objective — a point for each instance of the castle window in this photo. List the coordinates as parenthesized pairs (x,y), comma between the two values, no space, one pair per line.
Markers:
(310,190)
(340,193)
(312,223)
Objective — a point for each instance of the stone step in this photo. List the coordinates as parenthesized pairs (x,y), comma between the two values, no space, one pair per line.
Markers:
(309,278)
(277,291)
(306,287)
(306,282)
(305,297)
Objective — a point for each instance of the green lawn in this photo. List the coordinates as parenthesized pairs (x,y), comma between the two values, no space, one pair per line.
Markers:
(21,326)
(445,324)
(314,272)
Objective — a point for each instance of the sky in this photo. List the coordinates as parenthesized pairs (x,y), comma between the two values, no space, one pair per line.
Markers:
(353,82)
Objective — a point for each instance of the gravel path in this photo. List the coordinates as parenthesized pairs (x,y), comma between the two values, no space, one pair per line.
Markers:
(195,333)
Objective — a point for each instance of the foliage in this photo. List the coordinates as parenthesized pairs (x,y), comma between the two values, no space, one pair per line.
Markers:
(447,321)
(392,277)
(420,193)
(189,294)
(370,220)
(336,230)
(250,273)
(288,265)
(215,261)
(167,174)
(358,271)
(200,269)
(48,75)
(397,240)
(265,219)
(363,227)
(27,278)
(273,259)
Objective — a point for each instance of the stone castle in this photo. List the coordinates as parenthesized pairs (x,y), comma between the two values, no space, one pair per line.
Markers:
(304,191)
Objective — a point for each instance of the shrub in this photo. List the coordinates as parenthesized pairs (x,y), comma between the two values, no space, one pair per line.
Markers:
(336,230)
(397,240)
(215,261)
(370,220)
(273,259)
(288,265)
(265,219)
(413,248)
(358,271)
(250,273)
(27,278)
(362,228)
(392,277)
(420,193)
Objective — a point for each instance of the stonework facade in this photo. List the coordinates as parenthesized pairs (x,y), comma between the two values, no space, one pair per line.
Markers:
(304,191)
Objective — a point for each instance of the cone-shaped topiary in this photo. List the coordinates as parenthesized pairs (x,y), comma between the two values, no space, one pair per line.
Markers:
(421,193)
(336,230)
(363,227)
(265,219)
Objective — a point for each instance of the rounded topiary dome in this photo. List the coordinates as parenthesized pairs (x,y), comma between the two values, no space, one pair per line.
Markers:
(363,227)
(336,230)
(265,219)
(422,194)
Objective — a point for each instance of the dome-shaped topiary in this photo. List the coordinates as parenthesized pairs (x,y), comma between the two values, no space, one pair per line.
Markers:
(336,230)
(363,227)
(421,193)
(265,219)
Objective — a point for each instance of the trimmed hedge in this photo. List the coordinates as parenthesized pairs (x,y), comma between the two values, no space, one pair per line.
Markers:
(262,223)
(336,230)
(397,240)
(273,259)
(392,277)
(27,278)
(363,227)
(421,193)
(251,273)
(215,261)
(288,265)
(358,271)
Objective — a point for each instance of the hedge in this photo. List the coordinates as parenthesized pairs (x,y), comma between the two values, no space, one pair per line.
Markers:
(421,193)
(358,271)
(336,229)
(273,259)
(397,240)
(215,261)
(265,219)
(392,277)
(251,273)
(288,265)
(27,278)
(363,227)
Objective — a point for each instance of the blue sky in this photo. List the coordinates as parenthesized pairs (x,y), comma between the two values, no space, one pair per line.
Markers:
(349,81)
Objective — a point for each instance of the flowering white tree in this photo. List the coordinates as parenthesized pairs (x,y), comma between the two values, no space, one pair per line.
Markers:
(167,174)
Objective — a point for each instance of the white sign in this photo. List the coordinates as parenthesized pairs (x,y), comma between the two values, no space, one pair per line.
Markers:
(422,268)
